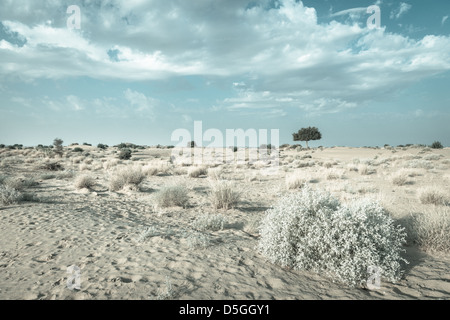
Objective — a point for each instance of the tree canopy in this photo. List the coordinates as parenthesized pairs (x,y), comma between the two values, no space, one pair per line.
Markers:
(307,134)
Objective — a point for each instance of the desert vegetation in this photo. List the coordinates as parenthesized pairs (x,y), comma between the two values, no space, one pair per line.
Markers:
(326,213)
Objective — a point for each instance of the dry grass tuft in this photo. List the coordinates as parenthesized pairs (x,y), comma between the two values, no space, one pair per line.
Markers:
(430,229)
(431,195)
(129,176)
(224,194)
(295,180)
(84,182)
(195,172)
(172,196)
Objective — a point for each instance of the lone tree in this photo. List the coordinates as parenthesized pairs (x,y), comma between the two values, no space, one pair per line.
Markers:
(58,147)
(307,134)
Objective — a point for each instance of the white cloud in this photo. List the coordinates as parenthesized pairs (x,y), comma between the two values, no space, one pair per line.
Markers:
(272,57)
(400,11)
(355,13)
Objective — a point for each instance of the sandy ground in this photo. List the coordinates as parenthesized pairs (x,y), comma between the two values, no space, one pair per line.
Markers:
(98,230)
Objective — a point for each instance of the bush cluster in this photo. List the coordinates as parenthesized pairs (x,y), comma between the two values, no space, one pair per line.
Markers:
(311,230)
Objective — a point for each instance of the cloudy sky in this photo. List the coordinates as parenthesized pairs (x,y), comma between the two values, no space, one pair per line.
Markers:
(137,70)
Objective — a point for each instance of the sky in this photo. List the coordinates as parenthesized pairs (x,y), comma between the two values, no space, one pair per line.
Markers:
(137,71)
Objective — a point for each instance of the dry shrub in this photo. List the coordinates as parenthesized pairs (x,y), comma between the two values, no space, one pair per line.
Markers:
(366,170)
(111,164)
(310,230)
(195,172)
(127,176)
(295,180)
(215,173)
(400,178)
(430,229)
(224,194)
(334,174)
(150,170)
(84,181)
(172,196)
(9,195)
(432,195)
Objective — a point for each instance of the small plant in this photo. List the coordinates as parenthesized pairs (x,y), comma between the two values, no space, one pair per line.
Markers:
(132,177)
(437,145)
(102,146)
(215,173)
(210,222)
(84,181)
(224,194)
(9,195)
(295,180)
(430,230)
(125,154)
(434,196)
(52,166)
(198,240)
(400,178)
(172,196)
(77,149)
(150,170)
(366,170)
(147,233)
(195,172)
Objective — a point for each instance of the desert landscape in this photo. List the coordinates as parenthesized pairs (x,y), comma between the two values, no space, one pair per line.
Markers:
(224,150)
(148,228)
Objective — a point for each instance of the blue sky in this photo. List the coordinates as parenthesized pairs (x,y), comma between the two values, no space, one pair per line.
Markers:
(137,70)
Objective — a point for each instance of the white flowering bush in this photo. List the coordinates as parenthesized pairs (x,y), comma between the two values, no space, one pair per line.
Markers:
(311,230)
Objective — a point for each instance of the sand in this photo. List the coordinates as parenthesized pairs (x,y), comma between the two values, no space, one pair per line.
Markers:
(98,231)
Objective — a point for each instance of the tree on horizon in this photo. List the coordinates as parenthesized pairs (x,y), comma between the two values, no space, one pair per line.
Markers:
(307,134)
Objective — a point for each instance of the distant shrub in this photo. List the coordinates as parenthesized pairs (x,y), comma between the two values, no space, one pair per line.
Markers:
(432,157)
(366,170)
(191,144)
(423,164)
(58,146)
(215,173)
(400,178)
(51,166)
(77,149)
(125,154)
(87,144)
(437,145)
(102,146)
(195,172)
(173,196)
(310,230)
(131,177)
(295,180)
(150,170)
